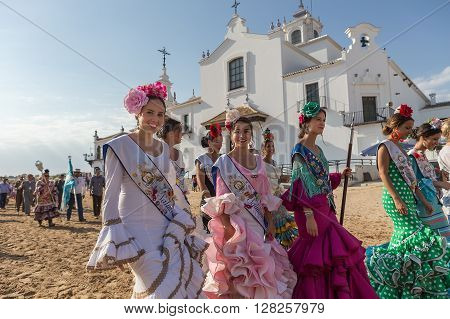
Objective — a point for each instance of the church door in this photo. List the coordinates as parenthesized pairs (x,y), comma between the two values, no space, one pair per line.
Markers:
(369,108)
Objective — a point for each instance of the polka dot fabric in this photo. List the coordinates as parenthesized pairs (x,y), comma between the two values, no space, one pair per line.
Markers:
(415,263)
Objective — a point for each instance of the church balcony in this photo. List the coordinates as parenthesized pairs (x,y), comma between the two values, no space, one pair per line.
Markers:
(369,116)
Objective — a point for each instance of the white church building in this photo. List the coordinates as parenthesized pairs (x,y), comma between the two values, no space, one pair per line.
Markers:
(268,77)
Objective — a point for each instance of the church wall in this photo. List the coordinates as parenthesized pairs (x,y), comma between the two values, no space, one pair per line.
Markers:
(322,50)
(403,94)
(293,61)
(262,59)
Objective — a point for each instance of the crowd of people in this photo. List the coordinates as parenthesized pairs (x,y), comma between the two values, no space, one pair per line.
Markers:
(243,242)
(43,196)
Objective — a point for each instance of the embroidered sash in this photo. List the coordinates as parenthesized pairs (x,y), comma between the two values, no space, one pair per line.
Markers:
(145,173)
(206,164)
(241,187)
(180,171)
(318,170)
(425,167)
(402,161)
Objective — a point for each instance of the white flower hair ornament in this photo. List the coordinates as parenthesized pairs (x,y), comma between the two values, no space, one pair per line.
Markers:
(231,117)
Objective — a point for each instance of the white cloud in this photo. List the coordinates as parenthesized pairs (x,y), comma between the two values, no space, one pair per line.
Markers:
(436,83)
(51,137)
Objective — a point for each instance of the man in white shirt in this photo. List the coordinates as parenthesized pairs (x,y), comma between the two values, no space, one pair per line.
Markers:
(80,187)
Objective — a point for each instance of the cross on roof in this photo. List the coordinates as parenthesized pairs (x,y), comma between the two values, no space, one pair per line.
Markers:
(235,6)
(164,53)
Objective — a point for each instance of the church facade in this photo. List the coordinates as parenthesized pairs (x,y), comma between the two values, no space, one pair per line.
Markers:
(270,76)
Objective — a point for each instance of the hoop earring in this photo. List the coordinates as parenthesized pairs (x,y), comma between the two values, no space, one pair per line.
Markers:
(251,145)
(395,135)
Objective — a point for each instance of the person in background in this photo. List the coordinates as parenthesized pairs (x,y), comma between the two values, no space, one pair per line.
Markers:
(194,183)
(46,197)
(444,164)
(96,187)
(60,187)
(5,190)
(427,137)
(213,142)
(80,187)
(28,189)
(285,227)
(19,194)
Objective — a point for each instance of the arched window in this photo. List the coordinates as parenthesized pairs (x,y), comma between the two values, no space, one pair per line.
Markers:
(316,34)
(236,73)
(296,37)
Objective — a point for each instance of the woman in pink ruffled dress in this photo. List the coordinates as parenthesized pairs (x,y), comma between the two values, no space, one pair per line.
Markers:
(328,260)
(244,259)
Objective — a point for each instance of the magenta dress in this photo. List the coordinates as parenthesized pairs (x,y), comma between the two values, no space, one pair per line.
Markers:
(331,265)
(247,265)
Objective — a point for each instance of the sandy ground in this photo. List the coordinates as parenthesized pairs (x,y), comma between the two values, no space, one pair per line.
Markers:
(38,262)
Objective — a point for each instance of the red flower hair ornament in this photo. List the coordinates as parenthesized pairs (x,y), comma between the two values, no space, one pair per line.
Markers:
(404,110)
(215,130)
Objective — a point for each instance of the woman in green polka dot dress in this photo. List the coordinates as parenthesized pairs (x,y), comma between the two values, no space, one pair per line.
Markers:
(415,263)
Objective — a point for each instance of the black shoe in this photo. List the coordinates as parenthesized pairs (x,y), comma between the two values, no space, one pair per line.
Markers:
(82,220)
(51,225)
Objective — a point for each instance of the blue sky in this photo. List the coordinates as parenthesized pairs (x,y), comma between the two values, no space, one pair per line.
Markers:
(51,100)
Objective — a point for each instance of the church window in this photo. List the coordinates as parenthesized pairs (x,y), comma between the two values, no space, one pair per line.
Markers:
(312,92)
(296,37)
(236,73)
(316,34)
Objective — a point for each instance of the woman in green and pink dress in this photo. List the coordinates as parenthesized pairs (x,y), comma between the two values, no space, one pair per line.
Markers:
(328,260)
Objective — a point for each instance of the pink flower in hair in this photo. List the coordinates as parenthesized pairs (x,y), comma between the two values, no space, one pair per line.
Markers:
(160,90)
(156,89)
(135,100)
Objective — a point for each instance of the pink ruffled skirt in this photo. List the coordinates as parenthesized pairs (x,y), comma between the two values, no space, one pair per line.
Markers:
(245,266)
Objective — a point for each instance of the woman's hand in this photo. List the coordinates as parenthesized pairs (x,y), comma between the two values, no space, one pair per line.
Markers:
(228,231)
(347,172)
(311,226)
(428,207)
(271,227)
(401,206)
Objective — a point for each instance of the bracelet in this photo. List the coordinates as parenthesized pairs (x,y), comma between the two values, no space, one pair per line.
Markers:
(308,213)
